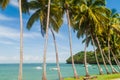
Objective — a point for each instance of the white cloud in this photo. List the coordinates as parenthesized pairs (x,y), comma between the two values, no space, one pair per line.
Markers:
(14,3)
(27,58)
(6,18)
(13,34)
(6,42)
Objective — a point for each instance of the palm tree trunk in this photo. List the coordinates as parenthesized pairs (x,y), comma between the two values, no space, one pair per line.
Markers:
(21,42)
(115,60)
(57,60)
(85,59)
(100,69)
(118,62)
(70,42)
(46,43)
(109,58)
(112,68)
(99,46)
(109,50)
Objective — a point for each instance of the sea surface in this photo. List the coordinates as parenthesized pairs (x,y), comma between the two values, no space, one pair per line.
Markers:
(34,71)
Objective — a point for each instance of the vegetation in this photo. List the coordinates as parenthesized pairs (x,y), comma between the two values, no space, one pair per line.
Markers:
(100,77)
(79,58)
(90,19)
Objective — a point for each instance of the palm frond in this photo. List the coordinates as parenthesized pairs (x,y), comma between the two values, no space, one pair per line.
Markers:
(99,3)
(4,3)
(25,7)
(32,19)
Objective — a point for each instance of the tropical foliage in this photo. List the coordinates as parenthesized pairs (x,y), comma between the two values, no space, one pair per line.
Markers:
(90,19)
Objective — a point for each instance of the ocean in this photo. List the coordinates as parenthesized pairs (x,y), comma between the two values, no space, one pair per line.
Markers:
(34,71)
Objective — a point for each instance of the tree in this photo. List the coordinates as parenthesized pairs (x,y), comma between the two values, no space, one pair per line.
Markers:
(67,6)
(3,4)
(21,41)
(100,69)
(55,20)
(90,19)
(57,59)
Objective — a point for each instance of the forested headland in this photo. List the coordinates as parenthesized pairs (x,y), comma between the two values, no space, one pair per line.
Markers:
(79,58)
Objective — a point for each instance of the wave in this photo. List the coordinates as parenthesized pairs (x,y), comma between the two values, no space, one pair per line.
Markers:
(38,67)
(54,69)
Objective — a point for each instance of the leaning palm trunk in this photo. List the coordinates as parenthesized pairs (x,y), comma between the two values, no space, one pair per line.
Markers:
(109,58)
(100,69)
(112,68)
(21,42)
(70,42)
(118,62)
(115,60)
(85,59)
(46,43)
(57,60)
(109,48)
(99,46)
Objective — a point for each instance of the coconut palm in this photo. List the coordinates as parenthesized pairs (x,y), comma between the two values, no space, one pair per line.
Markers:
(67,5)
(57,59)
(114,20)
(44,77)
(3,4)
(21,41)
(22,8)
(55,21)
(100,69)
(91,20)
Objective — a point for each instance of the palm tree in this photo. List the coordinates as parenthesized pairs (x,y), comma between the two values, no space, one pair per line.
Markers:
(100,69)
(93,16)
(21,41)
(57,60)
(67,6)
(55,21)
(4,3)
(101,52)
(44,77)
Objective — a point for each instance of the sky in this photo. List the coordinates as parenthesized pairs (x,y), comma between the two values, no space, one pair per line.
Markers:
(33,40)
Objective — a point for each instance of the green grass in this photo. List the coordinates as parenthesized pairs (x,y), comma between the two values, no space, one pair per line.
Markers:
(100,77)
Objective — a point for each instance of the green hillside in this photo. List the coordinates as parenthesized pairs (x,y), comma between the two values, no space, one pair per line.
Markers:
(79,58)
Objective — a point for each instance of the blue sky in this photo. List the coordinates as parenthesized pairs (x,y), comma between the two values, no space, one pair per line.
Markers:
(33,41)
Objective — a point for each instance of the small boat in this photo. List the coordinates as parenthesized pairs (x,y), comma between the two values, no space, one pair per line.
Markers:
(88,65)
(38,67)
(54,69)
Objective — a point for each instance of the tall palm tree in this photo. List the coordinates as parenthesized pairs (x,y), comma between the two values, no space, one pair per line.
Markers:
(85,57)
(57,59)
(3,4)
(100,69)
(55,20)
(66,7)
(93,16)
(101,52)
(44,77)
(21,41)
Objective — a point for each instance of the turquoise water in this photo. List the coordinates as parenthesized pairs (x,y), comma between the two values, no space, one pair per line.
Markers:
(34,71)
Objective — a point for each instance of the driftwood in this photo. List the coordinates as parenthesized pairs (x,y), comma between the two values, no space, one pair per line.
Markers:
(90,78)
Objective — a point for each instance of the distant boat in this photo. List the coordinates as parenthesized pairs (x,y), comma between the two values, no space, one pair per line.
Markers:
(54,69)
(38,67)
(88,65)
